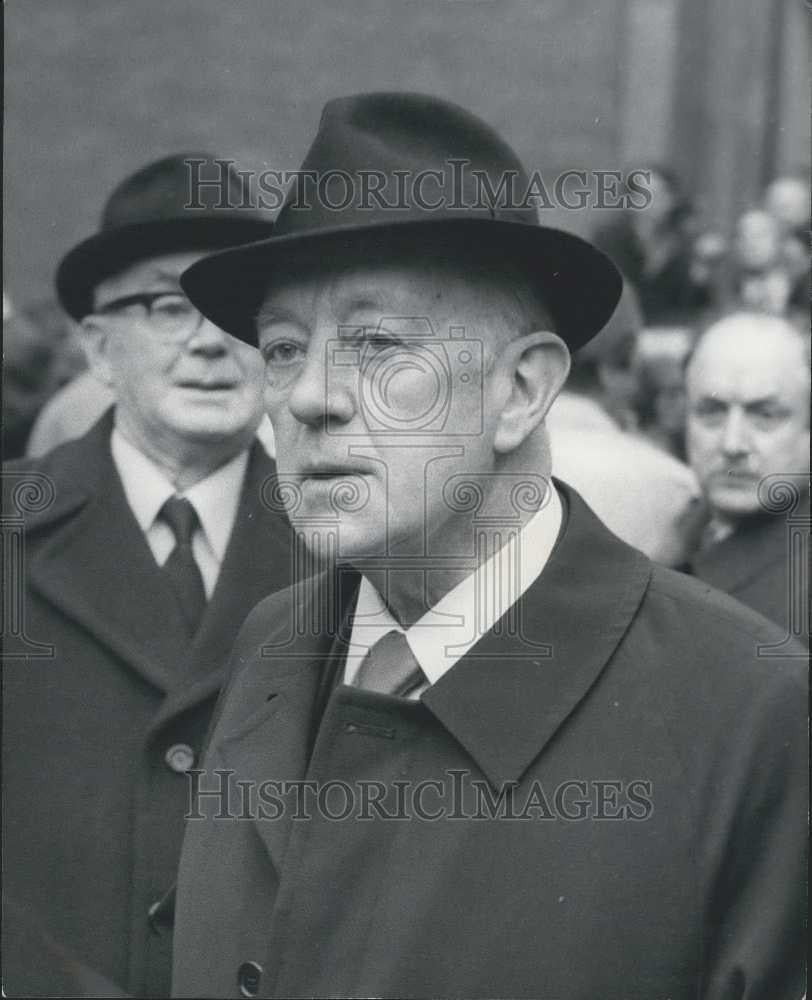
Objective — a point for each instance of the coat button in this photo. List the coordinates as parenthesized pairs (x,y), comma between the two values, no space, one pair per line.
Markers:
(180,757)
(248,976)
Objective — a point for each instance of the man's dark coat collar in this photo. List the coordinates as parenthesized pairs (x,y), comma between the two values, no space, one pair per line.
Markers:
(503,701)
(93,548)
(506,699)
(744,555)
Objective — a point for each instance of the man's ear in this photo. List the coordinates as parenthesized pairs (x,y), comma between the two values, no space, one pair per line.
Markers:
(94,336)
(532,370)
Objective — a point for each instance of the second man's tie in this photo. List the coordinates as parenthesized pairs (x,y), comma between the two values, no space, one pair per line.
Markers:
(180,567)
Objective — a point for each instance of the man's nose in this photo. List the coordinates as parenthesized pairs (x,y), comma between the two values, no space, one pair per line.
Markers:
(208,339)
(735,437)
(321,394)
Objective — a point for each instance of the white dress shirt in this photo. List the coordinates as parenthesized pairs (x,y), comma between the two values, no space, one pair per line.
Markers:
(215,500)
(467,612)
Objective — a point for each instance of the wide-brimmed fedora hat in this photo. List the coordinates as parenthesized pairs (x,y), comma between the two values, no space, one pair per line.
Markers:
(160,209)
(429,161)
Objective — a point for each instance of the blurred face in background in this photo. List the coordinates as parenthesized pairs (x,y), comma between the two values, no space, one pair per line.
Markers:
(180,382)
(663,199)
(748,410)
(757,243)
(787,200)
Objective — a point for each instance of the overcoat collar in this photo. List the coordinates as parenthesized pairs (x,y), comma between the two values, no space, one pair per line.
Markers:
(745,554)
(506,699)
(503,701)
(258,561)
(269,732)
(93,549)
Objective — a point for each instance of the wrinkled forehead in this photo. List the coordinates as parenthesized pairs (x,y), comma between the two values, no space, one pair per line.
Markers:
(154,274)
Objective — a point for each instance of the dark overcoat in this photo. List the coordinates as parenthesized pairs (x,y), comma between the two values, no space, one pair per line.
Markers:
(604,798)
(106,701)
(764,564)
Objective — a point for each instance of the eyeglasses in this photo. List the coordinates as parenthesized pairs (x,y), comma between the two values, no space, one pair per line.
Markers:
(171,315)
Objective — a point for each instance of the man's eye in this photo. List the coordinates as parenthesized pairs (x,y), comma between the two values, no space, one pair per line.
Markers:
(172,305)
(378,342)
(710,411)
(374,338)
(767,418)
(282,354)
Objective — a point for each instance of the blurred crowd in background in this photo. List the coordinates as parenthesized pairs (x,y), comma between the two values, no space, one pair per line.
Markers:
(680,276)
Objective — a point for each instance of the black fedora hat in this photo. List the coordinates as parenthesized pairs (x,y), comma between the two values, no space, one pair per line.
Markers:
(391,141)
(156,211)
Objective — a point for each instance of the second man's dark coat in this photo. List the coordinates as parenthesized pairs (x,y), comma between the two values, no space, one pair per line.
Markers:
(106,703)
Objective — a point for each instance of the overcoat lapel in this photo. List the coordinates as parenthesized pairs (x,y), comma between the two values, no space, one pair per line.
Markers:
(503,701)
(72,570)
(279,708)
(744,555)
(516,687)
(257,562)
(273,746)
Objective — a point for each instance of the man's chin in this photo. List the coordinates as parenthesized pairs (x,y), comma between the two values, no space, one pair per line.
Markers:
(736,500)
(212,422)
(342,543)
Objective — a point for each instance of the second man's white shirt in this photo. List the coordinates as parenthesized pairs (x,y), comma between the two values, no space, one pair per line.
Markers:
(215,500)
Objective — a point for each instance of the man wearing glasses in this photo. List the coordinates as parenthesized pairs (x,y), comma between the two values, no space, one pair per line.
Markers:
(151,544)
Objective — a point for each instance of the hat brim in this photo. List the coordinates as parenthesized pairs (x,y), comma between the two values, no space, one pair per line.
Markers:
(106,253)
(577,282)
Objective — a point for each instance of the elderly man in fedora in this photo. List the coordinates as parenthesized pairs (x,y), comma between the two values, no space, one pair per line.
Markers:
(491,750)
(150,546)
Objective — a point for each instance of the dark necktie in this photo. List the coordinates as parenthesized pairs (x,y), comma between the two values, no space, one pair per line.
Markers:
(180,567)
(390,667)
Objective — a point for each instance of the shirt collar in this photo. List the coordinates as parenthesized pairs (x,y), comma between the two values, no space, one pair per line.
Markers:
(467,612)
(147,488)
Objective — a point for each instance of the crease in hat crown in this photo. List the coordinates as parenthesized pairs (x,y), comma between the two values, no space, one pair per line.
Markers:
(393,133)
(157,210)
(412,134)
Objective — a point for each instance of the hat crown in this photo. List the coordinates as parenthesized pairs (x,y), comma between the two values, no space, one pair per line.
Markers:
(175,187)
(182,202)
(433,160)
(361,190)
